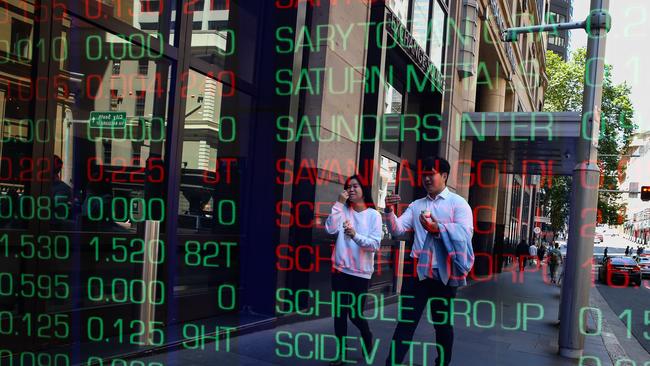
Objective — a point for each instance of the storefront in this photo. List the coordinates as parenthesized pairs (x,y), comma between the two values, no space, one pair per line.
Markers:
(132,134)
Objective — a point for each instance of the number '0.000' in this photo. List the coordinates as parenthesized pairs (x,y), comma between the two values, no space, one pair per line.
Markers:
(120,47)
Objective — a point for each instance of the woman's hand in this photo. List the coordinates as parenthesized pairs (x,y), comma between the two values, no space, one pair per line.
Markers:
(348,229)
(343,197)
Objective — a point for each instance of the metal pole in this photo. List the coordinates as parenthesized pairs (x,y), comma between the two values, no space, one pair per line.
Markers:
(546,28)
(584,200)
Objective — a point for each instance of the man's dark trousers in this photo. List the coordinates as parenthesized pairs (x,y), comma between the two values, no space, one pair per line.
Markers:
(415,296)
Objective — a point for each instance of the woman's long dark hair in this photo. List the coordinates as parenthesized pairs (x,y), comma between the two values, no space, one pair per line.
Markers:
(367,194)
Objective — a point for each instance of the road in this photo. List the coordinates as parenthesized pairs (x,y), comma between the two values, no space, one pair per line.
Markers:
(631,304)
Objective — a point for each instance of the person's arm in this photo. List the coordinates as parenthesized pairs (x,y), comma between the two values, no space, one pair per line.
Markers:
(462,221)
(335,219)
(399,225)
(372,240)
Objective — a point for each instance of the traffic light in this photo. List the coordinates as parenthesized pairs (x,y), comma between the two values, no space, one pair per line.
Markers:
(645,193)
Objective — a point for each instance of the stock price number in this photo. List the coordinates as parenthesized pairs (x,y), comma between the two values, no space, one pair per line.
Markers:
(207,254)
(122,290)
(29,285)
(9,358)
(48,326)
(128,332)
(40,246)
(132,251)
(29,208)
(98,361)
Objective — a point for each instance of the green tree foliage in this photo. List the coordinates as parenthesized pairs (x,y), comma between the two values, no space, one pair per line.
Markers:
(564,93)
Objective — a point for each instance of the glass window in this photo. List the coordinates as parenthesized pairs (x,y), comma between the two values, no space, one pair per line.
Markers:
(400,8)
(95,129)
(143,67)
(437,35)
(387,180)
(420,22)
(116,67)
(17,127)
(392,100)
(144,15)
(393,107)
(114,101)
(556,41)
(219,4)
(21,35)
(208,212)
(140,99)
(17,122)
(212,41)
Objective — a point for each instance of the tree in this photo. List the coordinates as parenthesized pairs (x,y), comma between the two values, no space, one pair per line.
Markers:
(564,93)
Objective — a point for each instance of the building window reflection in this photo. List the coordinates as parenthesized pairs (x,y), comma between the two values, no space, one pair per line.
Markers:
(400,8)
(420,22)
(438,24)
(387,180)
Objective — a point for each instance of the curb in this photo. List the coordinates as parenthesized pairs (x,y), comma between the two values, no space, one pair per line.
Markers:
(612,329)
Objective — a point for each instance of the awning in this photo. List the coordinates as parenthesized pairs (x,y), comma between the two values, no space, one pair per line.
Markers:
(532,143)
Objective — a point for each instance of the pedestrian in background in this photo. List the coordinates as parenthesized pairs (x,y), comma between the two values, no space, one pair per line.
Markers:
(443,226)
(522,254)
(532,252)
(541,253)
(359,232)
(554,259)
(605,252)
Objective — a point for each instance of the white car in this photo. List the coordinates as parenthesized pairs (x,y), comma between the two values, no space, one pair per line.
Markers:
(644,263)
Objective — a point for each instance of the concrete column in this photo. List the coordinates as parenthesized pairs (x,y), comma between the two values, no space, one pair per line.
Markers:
(469,83)
(493,95)
(485,192)
(485,195)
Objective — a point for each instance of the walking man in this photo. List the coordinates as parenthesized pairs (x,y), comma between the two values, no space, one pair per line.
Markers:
(554,259)
(532,251)
(443,226)
(522,254)
(541,253)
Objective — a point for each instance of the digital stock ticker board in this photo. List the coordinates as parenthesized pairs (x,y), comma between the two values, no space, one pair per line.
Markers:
(324,182)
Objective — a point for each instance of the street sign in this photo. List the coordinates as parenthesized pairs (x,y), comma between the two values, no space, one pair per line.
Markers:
(108,120)
(543,219)
(537,230)
(634,190)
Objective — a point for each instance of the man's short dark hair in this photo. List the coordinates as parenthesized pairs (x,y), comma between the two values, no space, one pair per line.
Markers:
(438,164)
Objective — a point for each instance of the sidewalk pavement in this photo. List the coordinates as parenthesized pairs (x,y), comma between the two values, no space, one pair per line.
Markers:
(533,340)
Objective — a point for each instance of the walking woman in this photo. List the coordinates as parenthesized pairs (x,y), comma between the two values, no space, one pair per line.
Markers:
(359,232)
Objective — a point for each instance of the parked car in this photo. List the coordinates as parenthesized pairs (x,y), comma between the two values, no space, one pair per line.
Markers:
(644,264)
(619,268)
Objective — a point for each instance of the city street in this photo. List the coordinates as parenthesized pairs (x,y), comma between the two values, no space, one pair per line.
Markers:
(630,304)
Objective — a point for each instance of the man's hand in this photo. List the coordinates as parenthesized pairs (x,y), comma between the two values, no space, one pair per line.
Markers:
(429,223)
(343,197)
(348,229)
(391,200)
